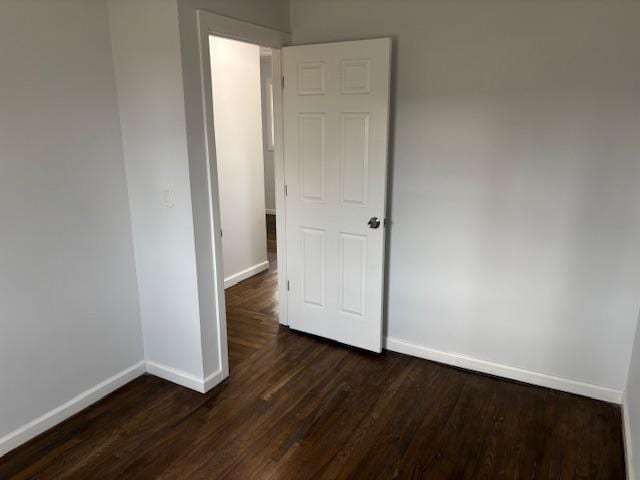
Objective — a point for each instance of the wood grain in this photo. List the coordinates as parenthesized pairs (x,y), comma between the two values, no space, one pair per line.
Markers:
(298,407)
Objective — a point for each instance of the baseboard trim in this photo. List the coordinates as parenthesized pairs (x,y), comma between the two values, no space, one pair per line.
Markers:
(183,378)
(213,380)
(70,408)
(628,446)
(505,371)
(175,376)
(271,211)
(246,273)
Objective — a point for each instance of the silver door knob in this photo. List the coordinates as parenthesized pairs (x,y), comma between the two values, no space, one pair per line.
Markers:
(374,222)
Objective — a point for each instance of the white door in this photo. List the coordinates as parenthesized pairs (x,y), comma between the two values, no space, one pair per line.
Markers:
(336,117)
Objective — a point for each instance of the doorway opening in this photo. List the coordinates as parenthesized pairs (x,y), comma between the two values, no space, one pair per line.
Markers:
(242,93)
(332,100)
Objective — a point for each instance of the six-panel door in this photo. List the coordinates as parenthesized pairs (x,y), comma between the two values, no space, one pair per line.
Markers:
(336,108)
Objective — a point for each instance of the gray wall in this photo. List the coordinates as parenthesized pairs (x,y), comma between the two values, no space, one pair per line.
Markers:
(146,55)
(514,178)
(158,76)
(68,297)
(269,13)
(632,410)
(69,311)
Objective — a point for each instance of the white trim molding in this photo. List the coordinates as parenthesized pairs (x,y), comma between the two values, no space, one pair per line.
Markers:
(505,371)
(185,379)
(240,30)
(213,380)
(70,408)
(203,143)
(626,431)
(231,280)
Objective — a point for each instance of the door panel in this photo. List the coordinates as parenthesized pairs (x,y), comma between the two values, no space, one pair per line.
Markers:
(312,139)
(354,158)
(336,107)
(313,266)
(353,273)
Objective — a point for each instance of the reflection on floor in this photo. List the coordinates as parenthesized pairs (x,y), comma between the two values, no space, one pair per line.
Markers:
(252,307)
(297,407)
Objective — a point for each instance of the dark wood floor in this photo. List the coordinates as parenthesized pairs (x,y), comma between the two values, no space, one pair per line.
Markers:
(252,307)
(296,407)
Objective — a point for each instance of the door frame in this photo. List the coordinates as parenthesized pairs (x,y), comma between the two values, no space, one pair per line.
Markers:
(218,25)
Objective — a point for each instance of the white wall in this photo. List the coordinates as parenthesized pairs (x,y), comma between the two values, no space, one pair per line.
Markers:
(69,308)
(146,51)
(237,113)
(69,316)
(514,177)
(156,56)
(269,157)
(632,412)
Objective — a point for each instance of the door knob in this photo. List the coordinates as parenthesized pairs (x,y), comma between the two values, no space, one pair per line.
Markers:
(374,222)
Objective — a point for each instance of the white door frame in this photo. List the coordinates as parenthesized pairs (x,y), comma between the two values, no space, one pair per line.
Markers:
(214,24)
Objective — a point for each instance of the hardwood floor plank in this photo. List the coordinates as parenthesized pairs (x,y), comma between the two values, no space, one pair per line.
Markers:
(296,406)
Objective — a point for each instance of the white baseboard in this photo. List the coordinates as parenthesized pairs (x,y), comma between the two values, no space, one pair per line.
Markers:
(271,211)
(175,376)
(214,379)
(513,373)
(183,378)
(246,273)
(66,410)
(628,446)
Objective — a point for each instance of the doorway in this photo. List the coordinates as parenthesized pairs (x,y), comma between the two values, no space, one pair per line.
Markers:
(242,93)
(331,118)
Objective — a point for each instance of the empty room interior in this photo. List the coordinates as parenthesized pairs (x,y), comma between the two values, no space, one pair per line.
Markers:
(319,239)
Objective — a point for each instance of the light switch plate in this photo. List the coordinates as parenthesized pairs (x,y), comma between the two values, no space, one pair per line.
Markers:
(167,197)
